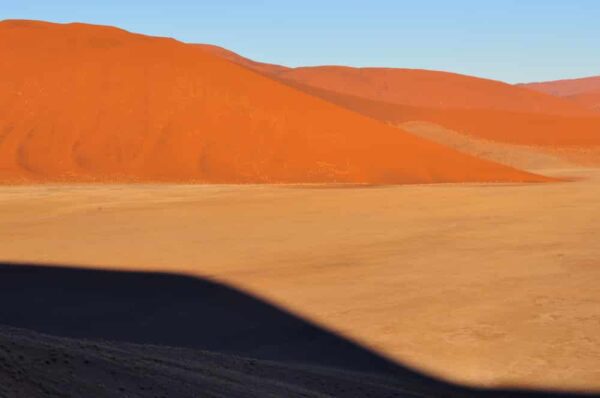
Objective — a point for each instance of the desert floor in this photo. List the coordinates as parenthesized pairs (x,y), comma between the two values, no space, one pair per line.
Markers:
(479,283)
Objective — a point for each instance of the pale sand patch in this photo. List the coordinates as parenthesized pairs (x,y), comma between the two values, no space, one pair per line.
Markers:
(480,283)
(533,158)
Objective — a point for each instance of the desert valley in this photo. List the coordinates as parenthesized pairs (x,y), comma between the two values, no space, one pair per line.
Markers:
(239,228)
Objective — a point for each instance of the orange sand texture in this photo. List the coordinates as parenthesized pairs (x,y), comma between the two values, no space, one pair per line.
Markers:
(479,107)
(81,103)
(584,92)
(477,283)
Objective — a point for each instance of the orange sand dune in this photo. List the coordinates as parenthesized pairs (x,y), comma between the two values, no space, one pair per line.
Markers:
(262,67)
(433,89)
(588,99)
(535,129)
(412,87)
(585,91)
(567,87)
(478,107)
(81,102)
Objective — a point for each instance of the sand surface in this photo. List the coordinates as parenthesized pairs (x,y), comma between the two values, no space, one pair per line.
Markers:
(584,91)
(479,283)
(94,103)
(425,88)
(525,157)
(566,87)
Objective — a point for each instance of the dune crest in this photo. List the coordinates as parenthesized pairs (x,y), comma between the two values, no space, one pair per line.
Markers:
(488,119)
(532,129)
(93,103)
(424,88)
(584,91)
(412,87)
(566,87)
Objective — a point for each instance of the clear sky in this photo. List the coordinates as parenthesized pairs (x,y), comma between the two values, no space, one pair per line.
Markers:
(510,40)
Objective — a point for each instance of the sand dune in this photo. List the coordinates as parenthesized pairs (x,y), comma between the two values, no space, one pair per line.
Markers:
(523,156)
(92,103)
(585,91)
(497,121)
(433,89)
(519,156)
(566,87)
(271,69)
(588,99)
(423,88)
(532,129)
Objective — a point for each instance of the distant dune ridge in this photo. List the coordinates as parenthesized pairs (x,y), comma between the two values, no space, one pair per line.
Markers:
(414,87)
(535,129)
(480,109)
(94,103)
(566,87)
(584,91)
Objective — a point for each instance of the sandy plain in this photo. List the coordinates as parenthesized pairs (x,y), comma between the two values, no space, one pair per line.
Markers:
(488,284)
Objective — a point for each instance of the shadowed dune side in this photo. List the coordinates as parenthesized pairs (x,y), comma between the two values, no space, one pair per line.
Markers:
(93,103)
(553,131)
(256,348)
(34,365)
(168,309)
(430,89)
(534,129)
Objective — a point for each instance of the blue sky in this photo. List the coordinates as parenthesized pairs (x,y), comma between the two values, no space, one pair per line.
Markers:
(510,40)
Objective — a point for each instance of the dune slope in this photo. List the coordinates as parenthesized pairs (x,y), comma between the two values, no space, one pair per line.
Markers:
(588,99)
(266,68)
(566,87)
(424,88)
(81,102)
(413,87)
(479,108)
(584,91)
(534,129)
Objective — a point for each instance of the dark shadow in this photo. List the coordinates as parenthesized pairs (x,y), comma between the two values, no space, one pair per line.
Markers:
(183,311)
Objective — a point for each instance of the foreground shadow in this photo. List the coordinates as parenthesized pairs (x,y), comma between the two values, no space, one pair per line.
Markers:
(183,311)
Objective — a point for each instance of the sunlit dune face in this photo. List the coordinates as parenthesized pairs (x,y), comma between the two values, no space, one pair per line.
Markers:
(81,102)
(270,69)
(476,107)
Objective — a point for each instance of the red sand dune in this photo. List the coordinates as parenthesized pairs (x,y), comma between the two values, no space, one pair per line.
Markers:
(424,88)
(482,108)
(567,87)
(93,103)
(589,100)
(534,129)
(585,91)
(270,69)
(421,88)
